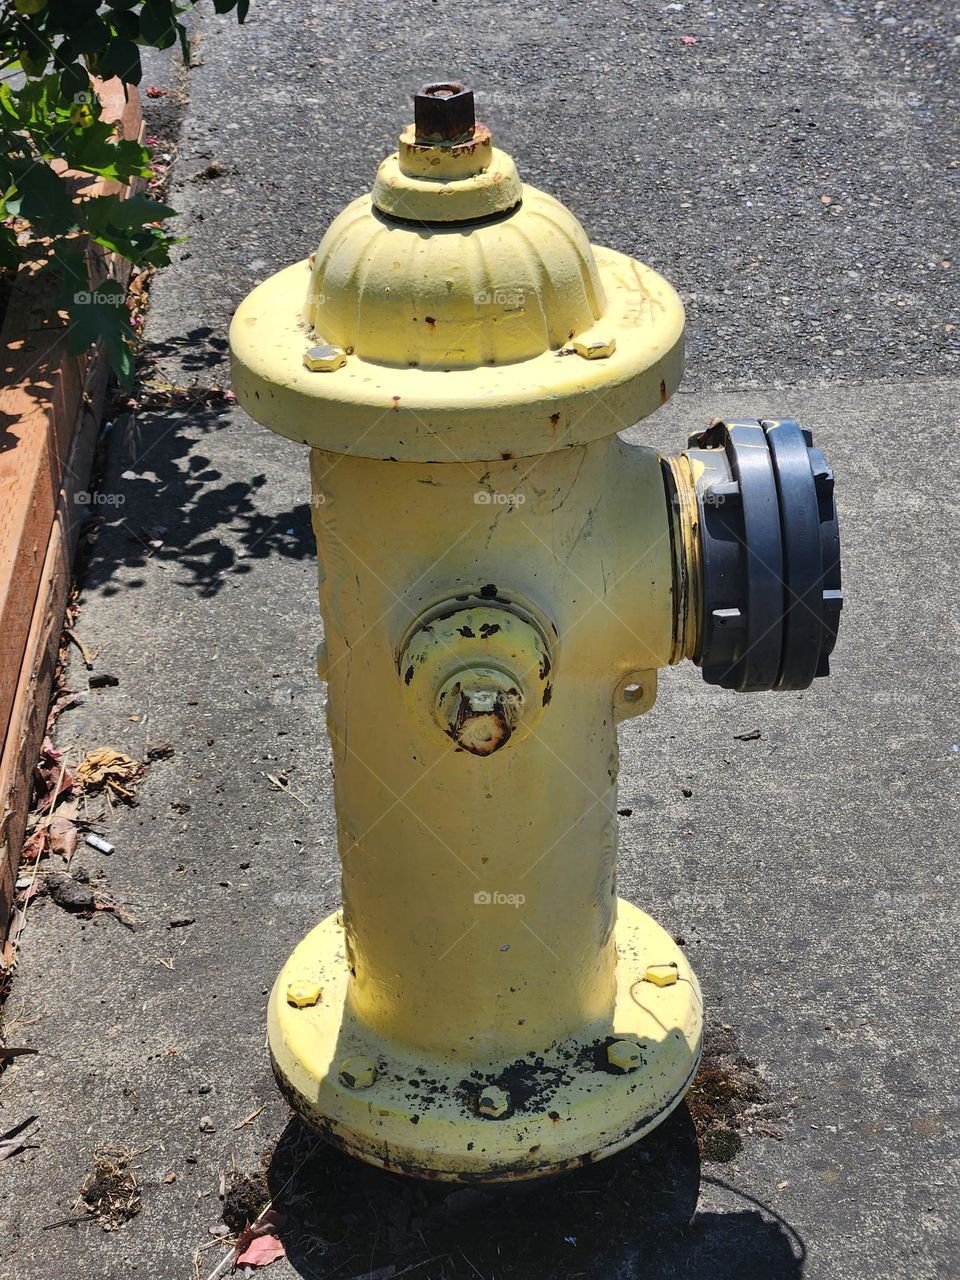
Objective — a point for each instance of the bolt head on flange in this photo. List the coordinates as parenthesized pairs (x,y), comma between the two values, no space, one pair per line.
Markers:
(625,1055)
(494,1102)
(324,358)
(304,995)
(595,348)
(661,975)
(357,1073)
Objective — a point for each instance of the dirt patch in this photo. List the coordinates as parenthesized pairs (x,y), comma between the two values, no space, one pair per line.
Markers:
(729,1098)
(244,1197)
(111,1193)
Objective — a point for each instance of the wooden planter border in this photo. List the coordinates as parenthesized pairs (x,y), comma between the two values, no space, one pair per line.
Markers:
(50,406)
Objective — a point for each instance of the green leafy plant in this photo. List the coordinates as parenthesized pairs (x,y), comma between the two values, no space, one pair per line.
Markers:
(56,144)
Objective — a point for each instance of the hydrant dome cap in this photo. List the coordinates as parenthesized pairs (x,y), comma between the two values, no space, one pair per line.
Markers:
(454,296)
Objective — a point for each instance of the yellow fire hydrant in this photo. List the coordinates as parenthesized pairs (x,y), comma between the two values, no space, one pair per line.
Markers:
(501,576)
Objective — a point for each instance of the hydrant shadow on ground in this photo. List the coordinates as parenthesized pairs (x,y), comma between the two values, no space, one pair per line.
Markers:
(501,578)
(632,1215)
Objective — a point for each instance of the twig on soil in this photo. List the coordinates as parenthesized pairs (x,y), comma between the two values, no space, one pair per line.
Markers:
(20,918)
(281,784)
(248,1119)
(85,654)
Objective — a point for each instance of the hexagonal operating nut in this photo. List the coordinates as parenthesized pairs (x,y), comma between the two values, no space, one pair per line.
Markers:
(595,350)
(357,1073)
(479,710)
(661,975)
(443,112)
(302,995)
(324,358)
(494,1102)
(625,1055)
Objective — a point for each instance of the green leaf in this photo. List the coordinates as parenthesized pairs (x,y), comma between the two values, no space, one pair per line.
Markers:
(184,36)
(74,80)
(158,26)
(98,150)
(69,15)
(97,313)
(120,58)
(126,25)
(34,64)
(91,37)
(10,251)
(44,198)
(137,211)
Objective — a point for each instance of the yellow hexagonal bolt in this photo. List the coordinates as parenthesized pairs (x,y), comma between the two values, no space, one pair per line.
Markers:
(595,350)
(661,975)
(357,1073)
(324,358)
(494,1102)
(302,995)
(625,1055)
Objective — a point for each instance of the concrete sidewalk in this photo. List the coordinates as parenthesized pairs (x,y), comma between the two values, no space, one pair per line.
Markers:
(811,872)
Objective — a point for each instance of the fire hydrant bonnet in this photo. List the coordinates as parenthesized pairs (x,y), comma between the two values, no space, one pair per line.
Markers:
(485,336)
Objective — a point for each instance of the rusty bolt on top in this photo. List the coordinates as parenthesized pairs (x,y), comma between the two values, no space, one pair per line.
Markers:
(444,112)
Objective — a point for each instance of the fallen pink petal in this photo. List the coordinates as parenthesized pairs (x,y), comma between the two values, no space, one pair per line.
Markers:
(261,1251)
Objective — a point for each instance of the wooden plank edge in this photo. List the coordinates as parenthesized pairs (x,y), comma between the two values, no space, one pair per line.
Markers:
(26,726)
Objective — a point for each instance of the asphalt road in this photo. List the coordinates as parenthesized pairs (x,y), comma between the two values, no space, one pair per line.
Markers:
(791,171)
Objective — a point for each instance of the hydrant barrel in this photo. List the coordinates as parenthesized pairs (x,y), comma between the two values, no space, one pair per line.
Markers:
(501,579)
(499,868)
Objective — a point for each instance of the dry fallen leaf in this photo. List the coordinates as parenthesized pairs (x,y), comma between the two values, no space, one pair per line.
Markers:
(261,1251)
(63,837)
(52,777)
(107,767)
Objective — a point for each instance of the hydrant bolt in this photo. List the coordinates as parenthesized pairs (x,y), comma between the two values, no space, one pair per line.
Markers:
(357,1073)
(625,1056)
(595,350)
(303,995)
(661,975)
(443,112)
(324,358)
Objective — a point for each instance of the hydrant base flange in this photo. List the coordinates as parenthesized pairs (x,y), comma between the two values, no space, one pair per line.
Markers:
(569,1104)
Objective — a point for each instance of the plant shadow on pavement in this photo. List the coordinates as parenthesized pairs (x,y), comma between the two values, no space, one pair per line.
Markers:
(632,1214)
(163,499)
